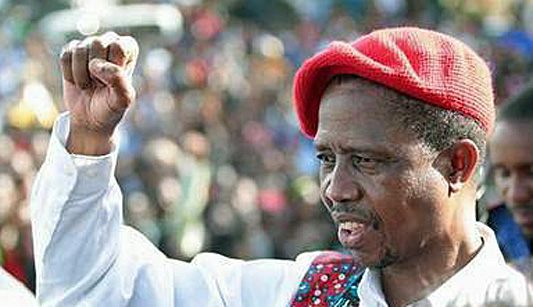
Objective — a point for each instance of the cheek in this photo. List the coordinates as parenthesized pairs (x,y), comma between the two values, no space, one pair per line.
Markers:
(392,213)
(410,210)
(392,200)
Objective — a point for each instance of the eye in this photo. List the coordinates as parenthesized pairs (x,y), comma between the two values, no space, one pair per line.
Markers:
(365,162)
(326,159)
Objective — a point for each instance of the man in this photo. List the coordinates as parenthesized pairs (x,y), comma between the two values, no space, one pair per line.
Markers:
(399,119)
(511,156)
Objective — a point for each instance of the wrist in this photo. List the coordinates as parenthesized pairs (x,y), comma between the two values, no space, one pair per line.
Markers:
(90,143)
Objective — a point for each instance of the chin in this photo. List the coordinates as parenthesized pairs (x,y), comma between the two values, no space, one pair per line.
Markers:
(376,261)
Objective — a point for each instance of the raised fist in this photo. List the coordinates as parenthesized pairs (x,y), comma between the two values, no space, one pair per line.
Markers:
(97,88)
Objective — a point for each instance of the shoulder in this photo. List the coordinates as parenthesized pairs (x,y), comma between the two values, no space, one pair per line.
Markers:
(498,285)
(510,286)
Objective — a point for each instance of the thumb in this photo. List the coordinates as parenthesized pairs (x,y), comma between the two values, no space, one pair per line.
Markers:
(113,76)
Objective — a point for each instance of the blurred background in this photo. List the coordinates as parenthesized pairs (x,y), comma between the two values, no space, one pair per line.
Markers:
(211,158)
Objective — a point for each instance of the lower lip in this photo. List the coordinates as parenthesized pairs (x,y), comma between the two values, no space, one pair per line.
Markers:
(353,238)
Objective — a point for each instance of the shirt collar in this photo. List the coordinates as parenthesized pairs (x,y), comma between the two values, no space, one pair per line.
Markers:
(473,273)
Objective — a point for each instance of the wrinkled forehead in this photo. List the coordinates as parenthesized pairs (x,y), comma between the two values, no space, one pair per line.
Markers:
(357,109)
(360,98)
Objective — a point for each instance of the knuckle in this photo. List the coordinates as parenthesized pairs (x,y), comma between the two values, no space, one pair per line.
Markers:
(97,49)
(118,49)
(97,43)
(116,45)
(65,49)
(66,55)
(80,49)
(107,38)
(72,45)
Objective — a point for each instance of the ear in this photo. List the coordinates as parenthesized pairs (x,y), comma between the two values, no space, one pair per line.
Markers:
(461,160)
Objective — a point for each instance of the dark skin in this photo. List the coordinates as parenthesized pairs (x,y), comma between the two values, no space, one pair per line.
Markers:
(511,155)
(97,89)
(400,205)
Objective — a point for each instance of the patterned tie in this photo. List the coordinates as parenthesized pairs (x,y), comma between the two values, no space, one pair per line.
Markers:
(331,281)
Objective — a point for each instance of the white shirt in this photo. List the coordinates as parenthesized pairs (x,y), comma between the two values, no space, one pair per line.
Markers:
(86,257)
(485,280)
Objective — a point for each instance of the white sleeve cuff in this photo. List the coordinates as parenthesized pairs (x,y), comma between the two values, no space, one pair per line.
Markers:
(92,172)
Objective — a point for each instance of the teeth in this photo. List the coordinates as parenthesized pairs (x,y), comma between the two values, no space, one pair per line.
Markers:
(351,226)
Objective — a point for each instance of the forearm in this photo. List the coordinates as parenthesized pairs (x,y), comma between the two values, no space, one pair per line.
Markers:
(76,216)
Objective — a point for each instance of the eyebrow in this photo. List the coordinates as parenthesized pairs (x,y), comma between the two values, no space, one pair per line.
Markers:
(374,150)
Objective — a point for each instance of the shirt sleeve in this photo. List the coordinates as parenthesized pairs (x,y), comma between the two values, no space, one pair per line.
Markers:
(85,256)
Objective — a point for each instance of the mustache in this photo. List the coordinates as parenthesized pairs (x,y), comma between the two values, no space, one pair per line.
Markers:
(349,208)
(355,210)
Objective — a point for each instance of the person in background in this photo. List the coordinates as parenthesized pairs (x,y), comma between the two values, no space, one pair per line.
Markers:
(511,158)
(399,119)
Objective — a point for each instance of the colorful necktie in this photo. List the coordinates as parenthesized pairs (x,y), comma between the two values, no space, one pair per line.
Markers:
(331,281)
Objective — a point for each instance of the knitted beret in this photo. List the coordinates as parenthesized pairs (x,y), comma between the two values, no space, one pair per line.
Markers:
(430,66)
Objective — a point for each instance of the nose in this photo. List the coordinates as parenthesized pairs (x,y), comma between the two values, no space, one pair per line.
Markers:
(518,190)
(342,186)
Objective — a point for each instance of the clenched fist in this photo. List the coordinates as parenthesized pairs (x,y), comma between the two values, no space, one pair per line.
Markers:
(97,89)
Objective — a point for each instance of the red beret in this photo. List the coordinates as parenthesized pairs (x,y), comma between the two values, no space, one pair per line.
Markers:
(430,66)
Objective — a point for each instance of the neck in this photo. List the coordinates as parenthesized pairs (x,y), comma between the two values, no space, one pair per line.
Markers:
(408,281)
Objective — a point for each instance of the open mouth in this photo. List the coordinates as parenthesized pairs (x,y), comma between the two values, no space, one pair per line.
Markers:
(353,227)
(351,234)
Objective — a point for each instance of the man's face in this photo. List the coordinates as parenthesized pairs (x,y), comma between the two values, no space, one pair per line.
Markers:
(511,154)
(378,182)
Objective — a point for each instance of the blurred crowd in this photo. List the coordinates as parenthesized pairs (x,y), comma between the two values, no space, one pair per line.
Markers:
(211,158)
